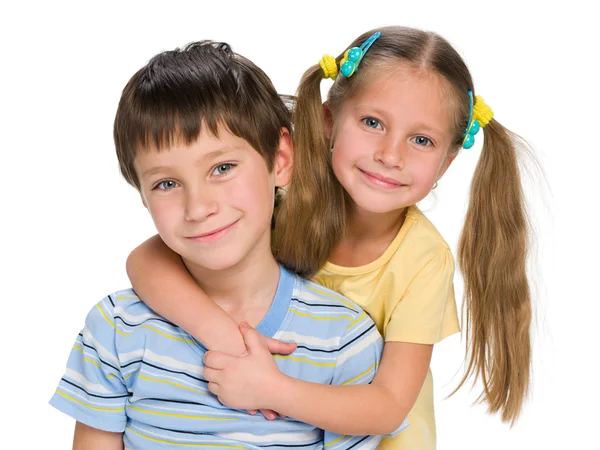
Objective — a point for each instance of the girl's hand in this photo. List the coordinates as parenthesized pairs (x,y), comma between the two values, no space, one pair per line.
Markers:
(269,414)
(249,381)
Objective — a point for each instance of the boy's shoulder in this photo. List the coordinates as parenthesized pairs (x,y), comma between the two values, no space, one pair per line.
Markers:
(124,308)
(123,322)
(331,330)
(315,298)
(128,302)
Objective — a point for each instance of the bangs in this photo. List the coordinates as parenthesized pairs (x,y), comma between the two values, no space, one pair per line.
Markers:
(163,117)
(203,85)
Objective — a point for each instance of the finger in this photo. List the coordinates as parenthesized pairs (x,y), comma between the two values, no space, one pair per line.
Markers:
(211,374)
(252,412)
(255,342)
(269,414)
(213,388)
(216,360)
(281,416)
(280,347)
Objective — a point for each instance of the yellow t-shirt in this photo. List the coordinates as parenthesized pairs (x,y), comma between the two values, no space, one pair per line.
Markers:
(408,292)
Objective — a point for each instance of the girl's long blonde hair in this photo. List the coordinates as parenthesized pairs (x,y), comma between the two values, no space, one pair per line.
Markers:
(494,241)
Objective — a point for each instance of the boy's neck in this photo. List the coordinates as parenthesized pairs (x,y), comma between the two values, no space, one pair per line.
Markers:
(245,291)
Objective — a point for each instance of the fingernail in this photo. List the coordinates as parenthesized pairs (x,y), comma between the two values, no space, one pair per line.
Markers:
(244,325)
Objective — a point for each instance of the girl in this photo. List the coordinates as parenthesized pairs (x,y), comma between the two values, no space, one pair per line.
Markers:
(395,118)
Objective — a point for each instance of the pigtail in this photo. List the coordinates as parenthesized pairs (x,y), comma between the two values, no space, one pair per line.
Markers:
(310,222)
(492,256)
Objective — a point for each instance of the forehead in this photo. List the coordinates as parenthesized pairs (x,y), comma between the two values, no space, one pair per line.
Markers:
(410,92)
(206,149)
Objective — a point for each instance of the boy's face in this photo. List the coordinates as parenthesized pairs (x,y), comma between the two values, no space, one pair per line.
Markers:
(212,201)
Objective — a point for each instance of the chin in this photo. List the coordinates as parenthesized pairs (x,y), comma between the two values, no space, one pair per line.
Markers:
(375,204)
(215,261)
(220,264)
(380,210)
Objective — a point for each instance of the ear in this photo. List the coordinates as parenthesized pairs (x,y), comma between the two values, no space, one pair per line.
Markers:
(284,159)
(327,120)
(446,164)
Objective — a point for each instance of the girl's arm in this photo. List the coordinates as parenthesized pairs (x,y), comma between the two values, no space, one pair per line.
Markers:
(158,276)
(88,438)
(254,381)
(363,409)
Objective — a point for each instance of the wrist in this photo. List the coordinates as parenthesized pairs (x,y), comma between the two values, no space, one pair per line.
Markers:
(281,393)
(224,338)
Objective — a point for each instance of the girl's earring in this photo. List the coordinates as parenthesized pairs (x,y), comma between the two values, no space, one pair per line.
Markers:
(434,186)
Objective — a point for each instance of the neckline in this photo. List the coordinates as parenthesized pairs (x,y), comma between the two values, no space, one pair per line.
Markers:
(273,319)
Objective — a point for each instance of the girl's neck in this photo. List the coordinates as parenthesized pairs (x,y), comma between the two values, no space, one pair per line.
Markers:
(367,236)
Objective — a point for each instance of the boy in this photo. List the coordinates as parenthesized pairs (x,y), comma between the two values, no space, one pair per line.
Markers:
(203,136)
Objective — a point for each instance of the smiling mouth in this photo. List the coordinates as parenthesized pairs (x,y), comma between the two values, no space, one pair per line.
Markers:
(381,181)
(213,235)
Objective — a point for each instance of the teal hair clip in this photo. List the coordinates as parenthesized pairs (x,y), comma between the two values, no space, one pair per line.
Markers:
(353,56)
(472,127)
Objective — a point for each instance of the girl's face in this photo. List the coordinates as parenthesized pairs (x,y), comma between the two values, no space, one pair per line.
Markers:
(392,140)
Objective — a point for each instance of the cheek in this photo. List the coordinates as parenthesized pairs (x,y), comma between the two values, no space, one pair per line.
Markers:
(344,153)
(426,170)
(352,145)
(254,193)
(341,165)
(164,215)
(336,162)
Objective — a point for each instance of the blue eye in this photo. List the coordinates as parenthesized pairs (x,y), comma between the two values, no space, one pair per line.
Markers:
(166,185)
(422,141)
(222,169)
(371,122)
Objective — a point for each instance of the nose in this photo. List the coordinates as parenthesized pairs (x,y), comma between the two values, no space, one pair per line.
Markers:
(200,204)
(392,153)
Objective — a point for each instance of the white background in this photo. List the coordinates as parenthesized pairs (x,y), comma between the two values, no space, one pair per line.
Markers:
(69,220)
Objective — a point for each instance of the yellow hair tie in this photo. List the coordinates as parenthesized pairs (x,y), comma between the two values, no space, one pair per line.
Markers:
(480,115)
(329,66)
(482,112)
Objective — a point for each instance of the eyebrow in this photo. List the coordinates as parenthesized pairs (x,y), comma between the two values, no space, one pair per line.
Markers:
(379,112)
(219,153)
(421,125)
(210,155)
(374,109)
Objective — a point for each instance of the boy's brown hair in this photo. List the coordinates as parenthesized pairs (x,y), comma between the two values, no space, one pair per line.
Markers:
(178,92)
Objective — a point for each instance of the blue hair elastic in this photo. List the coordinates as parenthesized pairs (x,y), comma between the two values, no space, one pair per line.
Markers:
(472,127)
(353,57)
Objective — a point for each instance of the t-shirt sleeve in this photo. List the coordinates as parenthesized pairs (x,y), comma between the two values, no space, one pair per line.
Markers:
(92,390)
(426,313)
(357,362)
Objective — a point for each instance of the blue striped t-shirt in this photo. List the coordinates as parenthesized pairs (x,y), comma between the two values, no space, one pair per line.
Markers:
(132,371)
